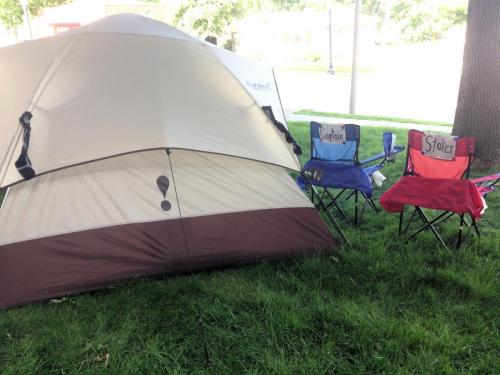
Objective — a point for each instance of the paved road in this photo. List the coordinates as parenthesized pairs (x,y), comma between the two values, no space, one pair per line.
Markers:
(382,124)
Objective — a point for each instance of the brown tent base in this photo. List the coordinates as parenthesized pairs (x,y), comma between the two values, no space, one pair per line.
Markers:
(87,260)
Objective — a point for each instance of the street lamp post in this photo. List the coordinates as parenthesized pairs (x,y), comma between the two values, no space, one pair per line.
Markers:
(330,65)
(24,4)
(354,73)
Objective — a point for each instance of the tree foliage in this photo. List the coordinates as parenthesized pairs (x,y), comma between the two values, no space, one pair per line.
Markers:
(11,11)
(418,20)
(290,5)
(209,16)
(421,20)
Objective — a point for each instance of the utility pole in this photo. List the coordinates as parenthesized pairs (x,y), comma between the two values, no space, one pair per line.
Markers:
(354,73)
(330,66)
(27,24)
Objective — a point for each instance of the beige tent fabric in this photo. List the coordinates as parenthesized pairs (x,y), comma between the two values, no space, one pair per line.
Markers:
(113,191)
(123,190)
(212,184)
(132,24)
(257,79)
(127,83)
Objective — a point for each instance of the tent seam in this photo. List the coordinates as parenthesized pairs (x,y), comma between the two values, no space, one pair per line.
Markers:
(145,150)
(179,207)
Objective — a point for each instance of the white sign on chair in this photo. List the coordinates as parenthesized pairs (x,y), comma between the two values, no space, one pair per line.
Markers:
(332,134)
(439,146)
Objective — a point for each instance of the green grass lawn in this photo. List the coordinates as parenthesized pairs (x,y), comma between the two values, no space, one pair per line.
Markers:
(373,118)
(388,306)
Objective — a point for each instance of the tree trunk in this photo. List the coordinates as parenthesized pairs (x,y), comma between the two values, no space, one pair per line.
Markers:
(478,107)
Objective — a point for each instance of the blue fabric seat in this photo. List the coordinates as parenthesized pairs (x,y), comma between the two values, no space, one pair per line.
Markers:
(336,175)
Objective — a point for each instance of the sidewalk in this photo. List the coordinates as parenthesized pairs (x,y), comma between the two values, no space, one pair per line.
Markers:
(381,124)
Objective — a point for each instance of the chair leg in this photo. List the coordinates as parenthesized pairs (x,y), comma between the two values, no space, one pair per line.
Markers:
(323,194)
(330,217)
(356,208)
(350,195)
(371,203)
(361,214)
(412,217)
(444,216)
(401,219)
(334,203)
(428,224)
(472,229)
(335,198)
(314,193)
(460,230)
(476,228)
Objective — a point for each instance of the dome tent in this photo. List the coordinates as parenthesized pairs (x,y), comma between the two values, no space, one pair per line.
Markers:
(151,155)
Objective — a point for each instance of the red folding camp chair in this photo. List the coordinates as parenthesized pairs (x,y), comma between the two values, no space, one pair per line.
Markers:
(436,177)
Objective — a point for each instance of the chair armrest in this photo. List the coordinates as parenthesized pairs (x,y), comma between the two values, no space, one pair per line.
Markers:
(382,155)
(373,158)
(492,177)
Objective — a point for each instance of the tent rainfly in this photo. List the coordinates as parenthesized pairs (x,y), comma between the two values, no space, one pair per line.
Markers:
(141,151)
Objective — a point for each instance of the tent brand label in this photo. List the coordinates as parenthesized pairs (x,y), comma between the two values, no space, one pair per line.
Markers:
(332,134)
(259,86)
(439,146)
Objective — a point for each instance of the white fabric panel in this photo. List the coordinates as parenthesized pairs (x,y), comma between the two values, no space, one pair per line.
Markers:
(210,184)
(22,69)
(114,191)
(109,92)
(256,78)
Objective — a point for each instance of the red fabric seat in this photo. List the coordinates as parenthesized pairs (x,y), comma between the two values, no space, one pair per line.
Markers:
(459,196)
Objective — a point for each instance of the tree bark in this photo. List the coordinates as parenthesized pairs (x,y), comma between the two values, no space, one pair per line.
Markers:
(478,107)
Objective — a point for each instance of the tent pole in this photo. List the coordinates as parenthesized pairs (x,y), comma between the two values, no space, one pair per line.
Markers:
(279,97)
(168,151)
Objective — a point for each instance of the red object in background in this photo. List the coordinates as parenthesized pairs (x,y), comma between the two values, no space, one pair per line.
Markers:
(63,26)
(459,196)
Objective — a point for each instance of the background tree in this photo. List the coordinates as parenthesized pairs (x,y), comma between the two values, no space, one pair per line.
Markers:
(209,17)
(478,107)
(214,17)
(422,20)
(11,11)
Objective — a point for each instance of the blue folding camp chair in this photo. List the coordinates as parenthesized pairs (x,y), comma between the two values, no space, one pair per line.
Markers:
(334,164)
